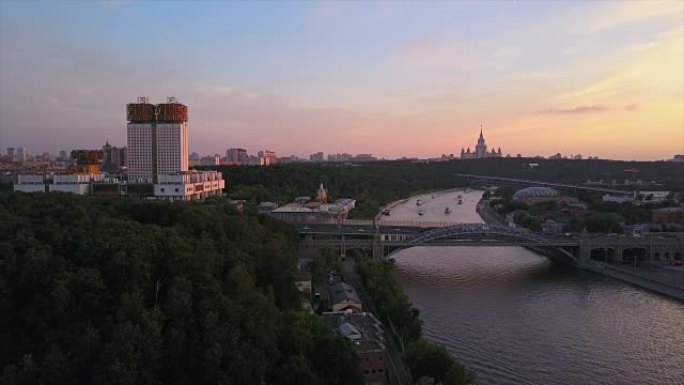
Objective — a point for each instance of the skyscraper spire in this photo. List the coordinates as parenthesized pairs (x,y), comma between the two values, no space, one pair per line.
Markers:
(481,137)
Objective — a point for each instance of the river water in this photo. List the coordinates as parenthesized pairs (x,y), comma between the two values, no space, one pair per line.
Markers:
(513,317)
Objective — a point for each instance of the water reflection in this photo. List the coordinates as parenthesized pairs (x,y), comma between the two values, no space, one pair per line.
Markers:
(516,318)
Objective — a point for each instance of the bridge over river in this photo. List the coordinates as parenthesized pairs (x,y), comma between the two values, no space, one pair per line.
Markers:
(384,238)
(406,228)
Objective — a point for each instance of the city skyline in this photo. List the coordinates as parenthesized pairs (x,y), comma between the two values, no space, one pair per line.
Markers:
(391,79)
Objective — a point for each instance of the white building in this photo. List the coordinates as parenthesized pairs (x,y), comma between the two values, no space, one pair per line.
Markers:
(30,183)
(71,183)
(74,183)
(157,139)
(189,185)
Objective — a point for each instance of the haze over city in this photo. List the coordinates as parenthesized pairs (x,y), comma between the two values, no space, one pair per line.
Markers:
(388,78)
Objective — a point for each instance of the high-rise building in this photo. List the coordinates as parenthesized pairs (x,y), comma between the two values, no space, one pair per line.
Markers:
(237,156)
(267,158)
(317,157)
(10,152)
(22,153)
(480,150)
(157,139)
(113,158)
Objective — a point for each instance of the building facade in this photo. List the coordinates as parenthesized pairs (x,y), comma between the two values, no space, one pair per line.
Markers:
(237,156)
(113,158)
(480,150)
(267,158)
(157,139)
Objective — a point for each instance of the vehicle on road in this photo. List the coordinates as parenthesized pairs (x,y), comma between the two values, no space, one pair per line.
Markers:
(386,212)
(421,212)
(675,263)
(447,210)
(419,202)
(460,201)
(361,230)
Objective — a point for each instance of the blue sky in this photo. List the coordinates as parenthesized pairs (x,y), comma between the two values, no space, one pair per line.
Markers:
(390,78)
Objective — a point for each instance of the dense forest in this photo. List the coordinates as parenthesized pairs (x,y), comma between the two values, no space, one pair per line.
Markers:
(122,291)
(375,184)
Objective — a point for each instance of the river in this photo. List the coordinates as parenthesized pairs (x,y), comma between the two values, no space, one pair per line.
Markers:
(513,317)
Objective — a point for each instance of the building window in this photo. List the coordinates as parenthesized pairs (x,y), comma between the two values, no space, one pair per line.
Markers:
(162,190)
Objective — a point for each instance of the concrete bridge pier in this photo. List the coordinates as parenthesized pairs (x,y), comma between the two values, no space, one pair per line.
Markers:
(584,250)
(378,250)
(343,247)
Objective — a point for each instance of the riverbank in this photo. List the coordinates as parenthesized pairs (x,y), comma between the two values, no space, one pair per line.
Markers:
(666,282)
(425,360)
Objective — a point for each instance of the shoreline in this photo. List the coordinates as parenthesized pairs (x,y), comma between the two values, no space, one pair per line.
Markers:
(635,278)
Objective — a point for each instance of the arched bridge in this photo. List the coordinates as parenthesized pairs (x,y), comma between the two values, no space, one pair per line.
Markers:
(383,241)
(467,230)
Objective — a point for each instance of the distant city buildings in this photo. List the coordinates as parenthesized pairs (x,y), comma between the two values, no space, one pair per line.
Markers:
(267,158)
(317,157)
(113,158)
(678,158)
(237,156)
(480,150)
(156,158)
(351,158)
(211,160)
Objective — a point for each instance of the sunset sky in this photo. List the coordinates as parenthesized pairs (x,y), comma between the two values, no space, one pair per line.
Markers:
(389,78)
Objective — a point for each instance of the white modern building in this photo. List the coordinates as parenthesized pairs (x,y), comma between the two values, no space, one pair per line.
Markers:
(30,183)
(74,183)
(80,184)
(140,166)
(157,139)
(189,185)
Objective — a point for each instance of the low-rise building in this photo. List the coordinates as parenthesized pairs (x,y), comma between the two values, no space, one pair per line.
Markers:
(303,209)
(266,207)
(189,185)
(303,279)
(617,199)
(30,183)
(552,227)
(342,297)
(184,186)
(668,215)
(367,337)
(533,195)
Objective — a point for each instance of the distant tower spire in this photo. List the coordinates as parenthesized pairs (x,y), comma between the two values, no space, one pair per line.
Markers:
(480,130)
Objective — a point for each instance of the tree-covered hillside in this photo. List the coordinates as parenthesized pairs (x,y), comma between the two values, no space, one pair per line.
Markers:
(122,291)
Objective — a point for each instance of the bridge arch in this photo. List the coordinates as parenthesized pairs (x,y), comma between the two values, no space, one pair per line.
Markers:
(474,230)
(502,234)
(636,253)
(603,254)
